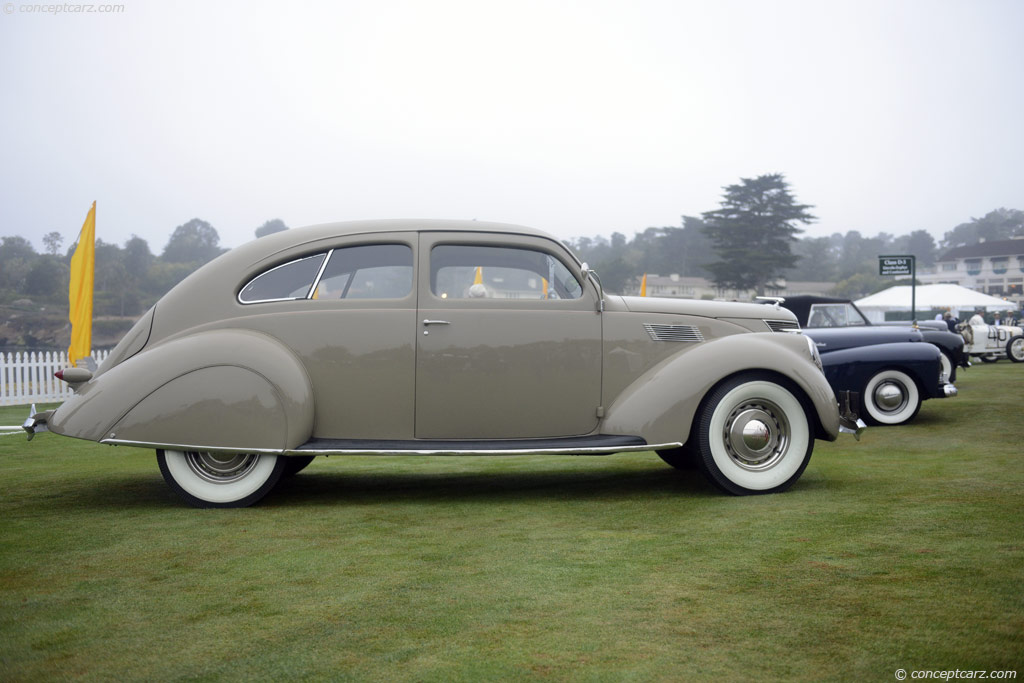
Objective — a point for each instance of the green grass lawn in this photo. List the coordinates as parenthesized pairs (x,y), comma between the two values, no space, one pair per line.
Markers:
(905,550)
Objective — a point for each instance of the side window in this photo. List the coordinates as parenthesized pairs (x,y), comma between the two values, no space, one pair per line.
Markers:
(853,316)
(470,272)
(288,281)
(827,315)
(376,271)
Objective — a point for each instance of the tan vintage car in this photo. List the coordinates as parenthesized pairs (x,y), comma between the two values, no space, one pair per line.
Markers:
(422,337)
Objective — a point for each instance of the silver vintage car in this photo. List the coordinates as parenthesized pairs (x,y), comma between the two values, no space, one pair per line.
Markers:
(415,337)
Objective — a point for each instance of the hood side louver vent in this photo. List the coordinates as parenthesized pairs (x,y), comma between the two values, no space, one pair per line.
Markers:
(674,333)
(782,325)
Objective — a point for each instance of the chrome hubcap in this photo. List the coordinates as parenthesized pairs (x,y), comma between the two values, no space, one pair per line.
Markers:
(756,435)
(890,396)
(1017,349)
(221,468)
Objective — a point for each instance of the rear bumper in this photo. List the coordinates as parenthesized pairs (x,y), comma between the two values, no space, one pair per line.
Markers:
(36,422)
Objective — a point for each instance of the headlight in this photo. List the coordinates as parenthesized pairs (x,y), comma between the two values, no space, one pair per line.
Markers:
(813,349)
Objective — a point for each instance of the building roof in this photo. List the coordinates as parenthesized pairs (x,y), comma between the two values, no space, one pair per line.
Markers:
(994,248)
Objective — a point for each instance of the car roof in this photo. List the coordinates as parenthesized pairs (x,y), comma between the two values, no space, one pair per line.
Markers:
(322,230)
(269,246)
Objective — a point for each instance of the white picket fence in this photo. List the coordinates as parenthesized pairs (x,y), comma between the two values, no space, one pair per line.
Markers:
(27,377)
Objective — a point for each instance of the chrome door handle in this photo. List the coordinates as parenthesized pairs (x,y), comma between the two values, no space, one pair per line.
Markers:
(436,322)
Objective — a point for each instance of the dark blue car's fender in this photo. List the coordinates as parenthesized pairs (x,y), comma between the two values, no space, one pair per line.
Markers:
(850,369)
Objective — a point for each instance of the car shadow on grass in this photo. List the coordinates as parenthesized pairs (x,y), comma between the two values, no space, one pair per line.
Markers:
(339,487)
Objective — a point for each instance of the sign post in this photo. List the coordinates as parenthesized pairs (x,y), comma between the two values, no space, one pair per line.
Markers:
(902,265)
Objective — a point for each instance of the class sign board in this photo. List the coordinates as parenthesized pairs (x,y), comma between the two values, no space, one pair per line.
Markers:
(896,265)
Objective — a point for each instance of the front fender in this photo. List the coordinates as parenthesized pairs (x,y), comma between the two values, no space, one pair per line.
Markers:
(661,404)
(223,389)
(948,342)
(850,369)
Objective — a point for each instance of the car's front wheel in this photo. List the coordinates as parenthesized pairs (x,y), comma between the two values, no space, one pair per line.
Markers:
(753,435)
(220,480)
(891,398)
(1015,349)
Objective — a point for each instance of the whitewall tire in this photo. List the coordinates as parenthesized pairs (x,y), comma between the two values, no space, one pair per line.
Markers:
(1015,349)
(891,398)
(753,435)
(207,479)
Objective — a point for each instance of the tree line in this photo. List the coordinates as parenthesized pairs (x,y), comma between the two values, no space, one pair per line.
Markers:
(128,279)
(751,242)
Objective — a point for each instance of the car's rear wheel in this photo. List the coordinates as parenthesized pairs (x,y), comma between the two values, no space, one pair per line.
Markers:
(752,435)
(1015,349)
(294,464)
(220,480)
(891,398)
(989,358)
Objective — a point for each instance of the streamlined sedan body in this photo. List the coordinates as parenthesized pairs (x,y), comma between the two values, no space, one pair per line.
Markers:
(439,338)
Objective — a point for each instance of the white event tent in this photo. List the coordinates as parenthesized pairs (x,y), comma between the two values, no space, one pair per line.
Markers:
(953,297)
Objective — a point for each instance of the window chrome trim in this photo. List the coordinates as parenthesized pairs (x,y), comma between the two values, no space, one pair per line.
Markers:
(320,274)
(238,297)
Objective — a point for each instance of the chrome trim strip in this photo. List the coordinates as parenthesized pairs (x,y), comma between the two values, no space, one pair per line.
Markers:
(782,325)
(597,450)
(188,447)
(319,274)
(674,333)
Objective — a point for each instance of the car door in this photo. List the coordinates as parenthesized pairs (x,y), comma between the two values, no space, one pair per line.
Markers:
(348,312)
(509,339)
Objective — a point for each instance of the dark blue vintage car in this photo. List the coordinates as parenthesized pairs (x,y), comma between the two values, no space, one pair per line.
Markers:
(892,369)
(814,312)
(892,375)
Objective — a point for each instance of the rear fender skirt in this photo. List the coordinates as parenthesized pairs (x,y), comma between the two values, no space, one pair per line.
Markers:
(227,388)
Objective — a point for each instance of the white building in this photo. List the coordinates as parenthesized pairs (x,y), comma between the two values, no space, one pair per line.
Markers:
(995,268)
(679,287)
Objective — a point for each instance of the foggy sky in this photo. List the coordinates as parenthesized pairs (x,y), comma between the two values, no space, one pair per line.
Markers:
(576,117)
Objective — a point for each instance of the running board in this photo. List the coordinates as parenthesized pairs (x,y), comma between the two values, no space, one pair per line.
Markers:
(600,444)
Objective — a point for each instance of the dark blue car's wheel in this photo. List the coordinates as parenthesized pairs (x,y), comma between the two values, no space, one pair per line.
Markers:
(891,397)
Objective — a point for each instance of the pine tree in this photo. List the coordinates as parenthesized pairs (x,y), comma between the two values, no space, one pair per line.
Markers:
(753,232)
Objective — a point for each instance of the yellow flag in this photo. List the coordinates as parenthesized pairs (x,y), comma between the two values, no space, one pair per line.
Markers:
(643,286)
(83,265)
(478,279)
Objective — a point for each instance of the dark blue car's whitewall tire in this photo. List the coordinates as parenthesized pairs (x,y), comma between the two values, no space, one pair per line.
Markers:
(207,479)
(891,397)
